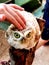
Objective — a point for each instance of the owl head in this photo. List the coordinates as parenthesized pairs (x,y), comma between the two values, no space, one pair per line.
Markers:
(26,38)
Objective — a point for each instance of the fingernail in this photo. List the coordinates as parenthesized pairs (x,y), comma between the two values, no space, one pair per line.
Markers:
(21,28)
(23,8)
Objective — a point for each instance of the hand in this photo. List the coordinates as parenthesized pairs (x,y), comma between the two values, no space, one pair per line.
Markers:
(10,12)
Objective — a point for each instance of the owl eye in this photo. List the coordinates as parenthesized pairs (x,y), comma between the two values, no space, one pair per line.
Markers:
(16,35)
(28,35)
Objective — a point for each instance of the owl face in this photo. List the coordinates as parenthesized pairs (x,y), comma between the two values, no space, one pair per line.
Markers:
(21,39)
(26,38)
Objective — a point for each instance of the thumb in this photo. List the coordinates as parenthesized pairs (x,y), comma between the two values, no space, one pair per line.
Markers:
(2,17)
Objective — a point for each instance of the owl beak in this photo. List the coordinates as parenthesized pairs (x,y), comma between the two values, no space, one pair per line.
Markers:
(23,39)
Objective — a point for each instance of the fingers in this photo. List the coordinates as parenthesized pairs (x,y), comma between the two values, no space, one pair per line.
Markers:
(12,20)
(8,11)
(16,16)
(2,17)
(19,14)
(16,6)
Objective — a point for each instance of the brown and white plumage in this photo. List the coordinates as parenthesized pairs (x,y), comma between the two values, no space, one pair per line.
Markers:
(28,37)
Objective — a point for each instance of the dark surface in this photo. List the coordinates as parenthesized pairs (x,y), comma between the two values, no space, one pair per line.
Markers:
(31,6)
(22,56)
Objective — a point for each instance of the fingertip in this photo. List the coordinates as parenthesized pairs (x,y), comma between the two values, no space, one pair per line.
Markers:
(16,6)
(21,28)
(22,9)
(24,26)
(2,17)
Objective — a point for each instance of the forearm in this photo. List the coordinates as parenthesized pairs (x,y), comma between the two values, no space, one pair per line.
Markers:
(41,42)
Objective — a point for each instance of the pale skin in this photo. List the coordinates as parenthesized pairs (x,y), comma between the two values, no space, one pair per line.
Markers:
(10,12)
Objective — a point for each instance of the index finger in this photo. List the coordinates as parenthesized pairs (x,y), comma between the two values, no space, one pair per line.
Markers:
(16,6)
